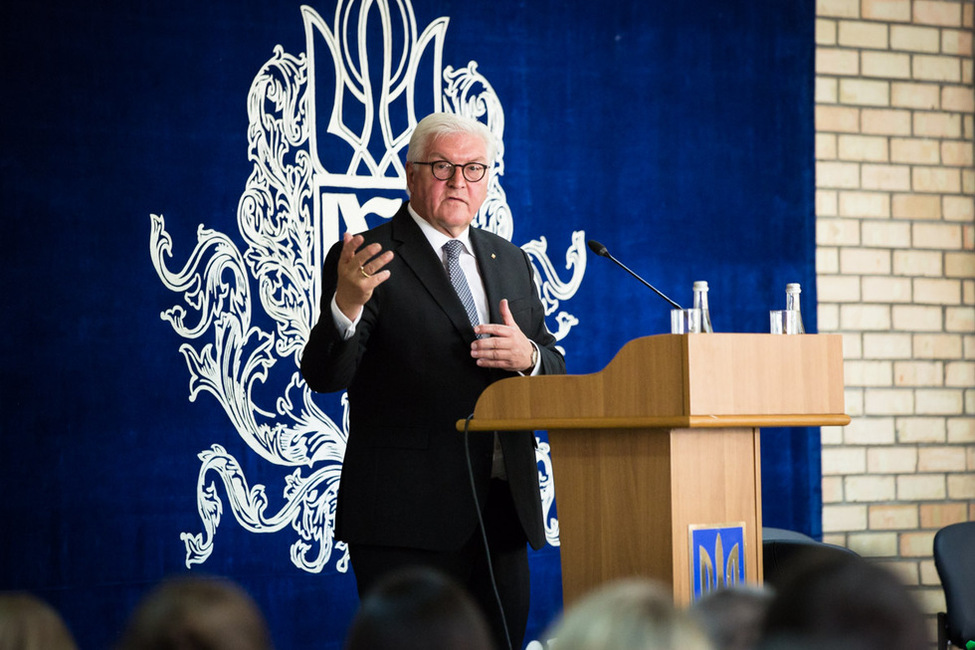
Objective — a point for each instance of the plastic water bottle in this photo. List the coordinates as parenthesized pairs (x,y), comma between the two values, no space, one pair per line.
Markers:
(701,302)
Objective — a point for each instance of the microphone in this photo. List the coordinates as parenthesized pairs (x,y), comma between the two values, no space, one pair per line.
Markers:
(600,250)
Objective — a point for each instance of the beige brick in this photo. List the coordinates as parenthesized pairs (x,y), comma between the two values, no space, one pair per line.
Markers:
(960,265)
(917,263)
(916,206)
(868,373)
(887,346)
(860,147)
(915,39)
(853,400)
(967,15)
(827,91)
(837,8)
(887,517)
(825,146)
(834,61)
(852,349)
(905,571)
(961,486)
(857,33)
(929,576)
(886,65)
(924,96)
(918,373)
(865,261)
(915,430)
(957,98)
(937,125)
(838,288)
(844,460)
(915,150)
(930,602)
(838,539)
(968,292)
(960,319)
(940,459)
(844,517)
(864,204)
(865,317)
(861,489)
(939,401)
(837,232)
(930,67)
(838,174)
(943,236)
(966,71)
(881,544)
(844,119)
(937,346)
(956,154)
(892,10)
(864,92)
(827,262)
(960,430)
(826,32)
(916,544)
(939,515)
(887,289)
(888,401)
(826,203)
(869,431)
(959,208)
(886,234)
(931,179)
(833,490)
(917,318)
(968,185)
(881,121)
(892,460)
(956,42)
(921,487)
(831,435)
(960,374)
(936,12)
(895,178)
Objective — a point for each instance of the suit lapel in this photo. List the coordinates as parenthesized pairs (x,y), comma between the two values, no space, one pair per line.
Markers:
(414,250)
(489,264)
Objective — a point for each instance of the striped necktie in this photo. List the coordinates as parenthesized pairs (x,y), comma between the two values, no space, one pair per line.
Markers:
(459,280)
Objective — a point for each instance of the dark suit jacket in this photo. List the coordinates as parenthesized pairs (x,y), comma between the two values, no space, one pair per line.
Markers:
(410,377)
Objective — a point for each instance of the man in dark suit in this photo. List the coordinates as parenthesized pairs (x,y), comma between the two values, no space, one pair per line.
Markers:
(395,333)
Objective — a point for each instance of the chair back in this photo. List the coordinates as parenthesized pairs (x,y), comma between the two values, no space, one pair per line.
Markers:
(954,558)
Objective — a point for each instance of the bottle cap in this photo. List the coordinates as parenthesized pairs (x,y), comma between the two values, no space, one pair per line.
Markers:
(701,285)
(793,287)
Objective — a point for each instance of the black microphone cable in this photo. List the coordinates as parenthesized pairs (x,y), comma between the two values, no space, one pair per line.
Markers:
(484,538)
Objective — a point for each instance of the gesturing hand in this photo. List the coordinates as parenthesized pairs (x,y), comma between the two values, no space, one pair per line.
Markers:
(360,271)
(506,347)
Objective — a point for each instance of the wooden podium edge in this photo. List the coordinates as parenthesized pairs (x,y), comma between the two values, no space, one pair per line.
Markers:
(664,422)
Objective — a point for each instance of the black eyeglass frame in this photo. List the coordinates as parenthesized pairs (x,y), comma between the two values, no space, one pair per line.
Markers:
(453,169)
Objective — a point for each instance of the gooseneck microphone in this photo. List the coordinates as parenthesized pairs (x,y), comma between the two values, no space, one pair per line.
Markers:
(600,250)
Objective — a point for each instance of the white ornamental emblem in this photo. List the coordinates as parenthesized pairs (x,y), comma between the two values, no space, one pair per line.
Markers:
(301,195)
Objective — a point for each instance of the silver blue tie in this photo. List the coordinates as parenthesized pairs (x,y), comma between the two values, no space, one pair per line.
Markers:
(459,280)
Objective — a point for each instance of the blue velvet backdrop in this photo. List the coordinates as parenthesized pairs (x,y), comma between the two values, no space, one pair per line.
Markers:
(678,134)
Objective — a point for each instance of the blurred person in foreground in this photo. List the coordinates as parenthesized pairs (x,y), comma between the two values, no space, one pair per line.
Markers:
(839,601)
(417,609)
(733,616)
(29,623)
(196,614)
(631,614)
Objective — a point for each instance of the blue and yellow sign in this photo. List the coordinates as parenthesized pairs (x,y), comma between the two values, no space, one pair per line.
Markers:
(717,557)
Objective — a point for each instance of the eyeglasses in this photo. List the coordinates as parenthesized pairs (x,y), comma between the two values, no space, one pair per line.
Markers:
(444,171)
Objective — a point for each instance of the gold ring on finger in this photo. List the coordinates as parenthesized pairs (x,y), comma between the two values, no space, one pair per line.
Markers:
(365,274)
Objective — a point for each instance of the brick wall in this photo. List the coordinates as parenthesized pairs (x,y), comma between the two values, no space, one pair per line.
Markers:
(895,205)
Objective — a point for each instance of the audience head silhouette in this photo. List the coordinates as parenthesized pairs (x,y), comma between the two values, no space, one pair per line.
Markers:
(632,614)
(733,617)
(197,614)
(29,623)
(838,601)
(417,609)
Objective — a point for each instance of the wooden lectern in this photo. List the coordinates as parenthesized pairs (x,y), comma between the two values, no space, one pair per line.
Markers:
(664,440)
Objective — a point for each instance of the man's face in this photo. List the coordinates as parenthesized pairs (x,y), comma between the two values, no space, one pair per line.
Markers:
(450,205)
